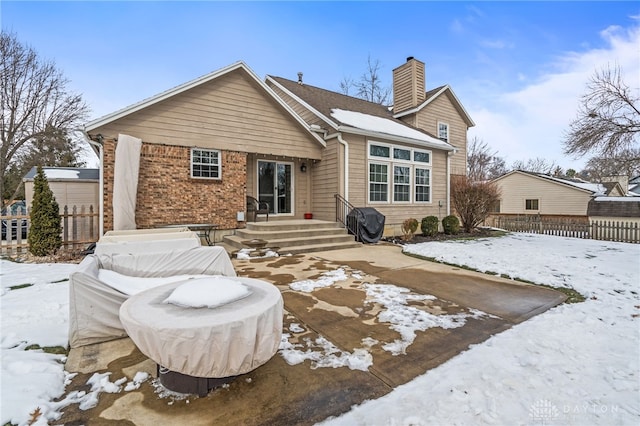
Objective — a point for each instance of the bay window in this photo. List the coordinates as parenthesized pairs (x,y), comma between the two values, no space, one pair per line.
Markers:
(398,174)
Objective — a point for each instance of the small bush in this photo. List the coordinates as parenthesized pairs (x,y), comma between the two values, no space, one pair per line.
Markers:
(451,225)
(429,226)
(409,228)
(46,228)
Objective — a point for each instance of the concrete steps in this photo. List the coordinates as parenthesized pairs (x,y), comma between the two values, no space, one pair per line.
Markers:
(294,236)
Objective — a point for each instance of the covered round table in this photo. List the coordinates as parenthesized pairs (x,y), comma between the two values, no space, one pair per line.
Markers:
(205,345)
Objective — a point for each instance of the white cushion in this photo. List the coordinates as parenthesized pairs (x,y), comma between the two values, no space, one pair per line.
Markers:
(207,292)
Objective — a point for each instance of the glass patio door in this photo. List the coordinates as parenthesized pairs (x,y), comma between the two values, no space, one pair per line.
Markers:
(275,181)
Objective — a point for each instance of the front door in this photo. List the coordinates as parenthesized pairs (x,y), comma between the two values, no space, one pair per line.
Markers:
(275,184)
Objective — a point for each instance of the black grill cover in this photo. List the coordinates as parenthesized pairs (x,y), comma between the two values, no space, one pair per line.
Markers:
(366,223)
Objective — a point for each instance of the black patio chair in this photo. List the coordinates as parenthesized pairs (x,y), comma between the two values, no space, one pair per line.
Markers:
(255,207)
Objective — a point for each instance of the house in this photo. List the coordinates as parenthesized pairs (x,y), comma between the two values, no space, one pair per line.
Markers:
(527,193)
(634,186)
(71,186)
(614,209)
(210,142)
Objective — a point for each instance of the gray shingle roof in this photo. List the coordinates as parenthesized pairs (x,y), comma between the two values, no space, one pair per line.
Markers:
(81,173)
(324,101)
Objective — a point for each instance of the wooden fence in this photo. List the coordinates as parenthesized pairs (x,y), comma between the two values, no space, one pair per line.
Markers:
(79,229)
(604,230)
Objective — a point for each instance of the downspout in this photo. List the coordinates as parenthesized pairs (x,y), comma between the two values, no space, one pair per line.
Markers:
(101,181)
(449,154)
(346,160)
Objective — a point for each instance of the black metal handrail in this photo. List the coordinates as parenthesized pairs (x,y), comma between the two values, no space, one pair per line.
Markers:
(343,208)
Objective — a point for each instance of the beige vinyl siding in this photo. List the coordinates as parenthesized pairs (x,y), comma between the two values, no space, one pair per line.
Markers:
(229,113)
(395,214)
(553,198)
(442,110)
(301,183)
(325,176)
(74,193)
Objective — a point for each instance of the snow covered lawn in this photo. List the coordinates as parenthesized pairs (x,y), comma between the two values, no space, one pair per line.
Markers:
(575,364)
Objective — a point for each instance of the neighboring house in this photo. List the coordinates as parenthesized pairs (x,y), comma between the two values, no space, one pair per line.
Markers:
(634,186)
(208,143)
(614,209)
(526,193)
(71,186)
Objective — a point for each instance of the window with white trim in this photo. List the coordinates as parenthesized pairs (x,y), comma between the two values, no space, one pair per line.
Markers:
(205,163)
(378,182)
(423,185)
(402,183)
(399,174)
(443,131)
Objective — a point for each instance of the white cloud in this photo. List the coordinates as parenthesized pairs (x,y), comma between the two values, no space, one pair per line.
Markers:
(532,121)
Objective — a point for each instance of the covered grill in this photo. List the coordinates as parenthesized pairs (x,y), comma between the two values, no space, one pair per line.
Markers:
(366,223)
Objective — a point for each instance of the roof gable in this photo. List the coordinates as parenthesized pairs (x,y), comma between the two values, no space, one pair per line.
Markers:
(238,66)
(592,188)
(432,95)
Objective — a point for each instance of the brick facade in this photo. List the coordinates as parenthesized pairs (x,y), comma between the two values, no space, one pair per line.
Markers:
(168,195)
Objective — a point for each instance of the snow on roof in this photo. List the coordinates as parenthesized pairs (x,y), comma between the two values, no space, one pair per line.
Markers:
(61,174)
(630,199)
(65,173)
(384,125)
(596,188)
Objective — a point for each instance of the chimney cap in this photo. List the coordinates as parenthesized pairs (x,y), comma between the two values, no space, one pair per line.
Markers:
(409,58)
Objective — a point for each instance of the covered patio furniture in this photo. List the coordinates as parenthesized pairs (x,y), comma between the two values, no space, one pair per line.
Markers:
(255,207)
(141,241)
(200,347)
(94,303)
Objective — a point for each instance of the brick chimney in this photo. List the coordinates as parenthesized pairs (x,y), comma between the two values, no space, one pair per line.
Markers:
(408,85)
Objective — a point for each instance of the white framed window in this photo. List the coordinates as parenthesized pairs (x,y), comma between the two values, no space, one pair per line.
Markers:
(422,185)
(205,163)
(401,183)
(422,156)
(401,154)
(398,174)
(443,131)
(378,182)
(379,150)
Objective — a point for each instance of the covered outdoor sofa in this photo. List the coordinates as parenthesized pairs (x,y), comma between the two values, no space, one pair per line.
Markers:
(94,304)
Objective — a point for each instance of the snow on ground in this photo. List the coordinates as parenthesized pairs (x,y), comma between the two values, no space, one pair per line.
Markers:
(574,364)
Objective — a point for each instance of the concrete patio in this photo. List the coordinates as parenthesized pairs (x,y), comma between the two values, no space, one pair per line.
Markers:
(278,393)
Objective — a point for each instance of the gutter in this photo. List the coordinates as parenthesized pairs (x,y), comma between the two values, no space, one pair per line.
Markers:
(97,146)
(396,138)
(449,154)
(346,160)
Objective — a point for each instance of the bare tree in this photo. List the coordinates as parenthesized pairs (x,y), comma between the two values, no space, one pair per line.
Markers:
(536,165)
(54,148)
(482,162)
(35,101)
(626,163)
(608,120)
(346,85)
(473,201)
(369,87)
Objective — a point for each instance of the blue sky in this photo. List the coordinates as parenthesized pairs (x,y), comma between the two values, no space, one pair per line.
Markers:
(519,68)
